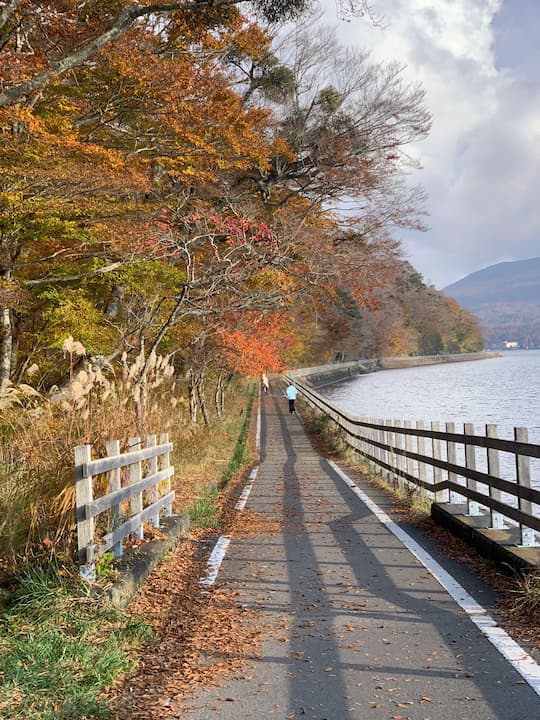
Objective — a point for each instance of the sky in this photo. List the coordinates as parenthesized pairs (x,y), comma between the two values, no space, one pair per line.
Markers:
(478,61)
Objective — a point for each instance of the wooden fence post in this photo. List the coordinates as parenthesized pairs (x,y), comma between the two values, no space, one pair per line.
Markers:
(391,454)
(380,452)
(165,464)
(523,478)
(451,457)
(493,469)
(384,440)
(153,492)
(409,462)
(399,458)
(135,474)
(421,450)
(436,455)
(115,483)
(85,525)
(470,463)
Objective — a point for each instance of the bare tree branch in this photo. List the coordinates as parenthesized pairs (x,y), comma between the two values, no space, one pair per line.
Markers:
(122,23)
(71,278)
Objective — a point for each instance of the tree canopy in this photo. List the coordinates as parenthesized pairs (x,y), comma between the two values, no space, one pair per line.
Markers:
(173,179)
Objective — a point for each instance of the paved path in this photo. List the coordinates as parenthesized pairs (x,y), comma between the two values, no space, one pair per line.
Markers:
(367,633)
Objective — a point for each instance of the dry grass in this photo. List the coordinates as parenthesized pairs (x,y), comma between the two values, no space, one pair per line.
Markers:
(38,433)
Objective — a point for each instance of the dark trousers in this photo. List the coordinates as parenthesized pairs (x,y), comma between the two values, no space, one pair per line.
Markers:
(291,405)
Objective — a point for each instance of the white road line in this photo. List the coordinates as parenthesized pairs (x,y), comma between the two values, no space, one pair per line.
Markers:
(242,500)
(509,648)
(215,560)
(220,548)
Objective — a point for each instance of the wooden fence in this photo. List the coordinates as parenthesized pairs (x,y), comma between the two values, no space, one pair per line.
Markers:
(447,464)
(138,488)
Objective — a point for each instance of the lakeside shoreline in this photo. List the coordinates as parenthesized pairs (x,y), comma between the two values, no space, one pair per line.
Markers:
(333,373)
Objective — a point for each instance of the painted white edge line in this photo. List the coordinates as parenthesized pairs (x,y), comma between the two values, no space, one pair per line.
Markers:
(509,648)
(215,560)
(220,548)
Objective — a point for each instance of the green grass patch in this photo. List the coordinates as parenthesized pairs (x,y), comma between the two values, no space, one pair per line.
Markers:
(60,649)
(241,455)
(205,511)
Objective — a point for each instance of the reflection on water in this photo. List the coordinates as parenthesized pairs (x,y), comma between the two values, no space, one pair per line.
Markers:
(503,391)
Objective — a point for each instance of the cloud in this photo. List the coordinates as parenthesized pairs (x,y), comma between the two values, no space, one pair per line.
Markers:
(481,161)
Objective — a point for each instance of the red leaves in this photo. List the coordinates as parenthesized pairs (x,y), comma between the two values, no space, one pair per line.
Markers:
(235,228)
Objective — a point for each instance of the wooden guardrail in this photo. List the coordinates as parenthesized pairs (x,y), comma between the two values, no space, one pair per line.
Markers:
(445,463)
(138,488)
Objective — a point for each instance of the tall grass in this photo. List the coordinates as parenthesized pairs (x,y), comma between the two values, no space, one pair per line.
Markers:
(59,649)
(38,432)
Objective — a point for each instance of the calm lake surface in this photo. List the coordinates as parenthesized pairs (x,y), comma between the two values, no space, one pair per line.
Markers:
(504,391)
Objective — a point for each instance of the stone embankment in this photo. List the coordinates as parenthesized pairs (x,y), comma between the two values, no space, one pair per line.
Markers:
(336,372)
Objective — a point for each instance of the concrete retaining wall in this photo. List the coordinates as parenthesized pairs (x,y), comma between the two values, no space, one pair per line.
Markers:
(137,565)
(322,375)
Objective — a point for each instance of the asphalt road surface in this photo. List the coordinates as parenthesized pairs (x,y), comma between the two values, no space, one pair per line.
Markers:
(364,630)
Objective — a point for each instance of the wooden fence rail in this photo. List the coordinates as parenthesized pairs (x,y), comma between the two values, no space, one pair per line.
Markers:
(427,459)
(138,488)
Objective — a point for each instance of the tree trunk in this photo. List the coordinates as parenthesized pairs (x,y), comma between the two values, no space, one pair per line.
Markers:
(192,397)
(218,396)
(141,404)
(6,344)
(202,399)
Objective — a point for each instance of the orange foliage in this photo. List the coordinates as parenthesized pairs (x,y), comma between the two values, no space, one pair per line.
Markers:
(258,348)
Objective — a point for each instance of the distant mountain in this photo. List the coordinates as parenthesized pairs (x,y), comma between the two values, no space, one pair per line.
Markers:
(506,299)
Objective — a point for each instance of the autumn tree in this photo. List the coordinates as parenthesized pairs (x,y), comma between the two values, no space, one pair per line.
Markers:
(84,28)
(172,142)
(346,122)
(85,167)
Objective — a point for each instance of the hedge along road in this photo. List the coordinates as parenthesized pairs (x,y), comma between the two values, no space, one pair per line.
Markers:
(366,628)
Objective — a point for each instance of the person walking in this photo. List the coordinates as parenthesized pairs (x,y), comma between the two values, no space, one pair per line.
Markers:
(292,394)
(264,383)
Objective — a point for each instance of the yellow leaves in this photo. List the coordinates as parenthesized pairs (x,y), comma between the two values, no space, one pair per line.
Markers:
(280,148)
(252,41)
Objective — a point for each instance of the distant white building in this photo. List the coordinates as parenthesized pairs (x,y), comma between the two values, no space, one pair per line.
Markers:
(511,344)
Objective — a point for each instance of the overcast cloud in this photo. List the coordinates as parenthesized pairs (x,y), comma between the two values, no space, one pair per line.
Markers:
(478,61)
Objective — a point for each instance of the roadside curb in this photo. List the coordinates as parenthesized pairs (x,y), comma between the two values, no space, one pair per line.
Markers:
(499,546)
(137,564)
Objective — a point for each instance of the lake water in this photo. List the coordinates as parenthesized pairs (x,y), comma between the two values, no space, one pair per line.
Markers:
(504,391)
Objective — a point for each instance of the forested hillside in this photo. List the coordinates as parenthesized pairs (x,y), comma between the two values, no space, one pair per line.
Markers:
(506,300)
(171,176)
